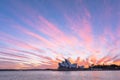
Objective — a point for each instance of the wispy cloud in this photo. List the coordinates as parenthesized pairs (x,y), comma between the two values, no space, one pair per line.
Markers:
(32,38)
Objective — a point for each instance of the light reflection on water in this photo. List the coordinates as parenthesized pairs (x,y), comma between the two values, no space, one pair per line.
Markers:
(56,75)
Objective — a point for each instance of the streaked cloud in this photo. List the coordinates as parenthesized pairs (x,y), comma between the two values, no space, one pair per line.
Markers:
(36,35)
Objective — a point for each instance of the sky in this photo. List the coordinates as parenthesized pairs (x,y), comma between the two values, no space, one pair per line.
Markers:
(38,34)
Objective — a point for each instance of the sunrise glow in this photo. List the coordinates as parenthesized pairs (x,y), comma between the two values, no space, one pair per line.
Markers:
(40,33)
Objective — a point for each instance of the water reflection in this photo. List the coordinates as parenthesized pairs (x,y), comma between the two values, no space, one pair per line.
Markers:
(62,75)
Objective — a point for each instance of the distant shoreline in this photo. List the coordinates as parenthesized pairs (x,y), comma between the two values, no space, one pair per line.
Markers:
(55,70)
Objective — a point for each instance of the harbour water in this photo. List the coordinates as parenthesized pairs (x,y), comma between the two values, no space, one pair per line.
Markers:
(59,75)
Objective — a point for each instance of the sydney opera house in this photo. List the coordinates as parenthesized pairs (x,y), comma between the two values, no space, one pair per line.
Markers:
(66,65)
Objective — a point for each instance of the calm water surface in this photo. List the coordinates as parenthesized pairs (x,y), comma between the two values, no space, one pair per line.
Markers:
(63,75)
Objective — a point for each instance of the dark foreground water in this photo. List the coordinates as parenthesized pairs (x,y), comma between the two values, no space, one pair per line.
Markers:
(63,75)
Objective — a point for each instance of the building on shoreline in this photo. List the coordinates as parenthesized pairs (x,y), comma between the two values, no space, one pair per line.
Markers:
(66,65)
